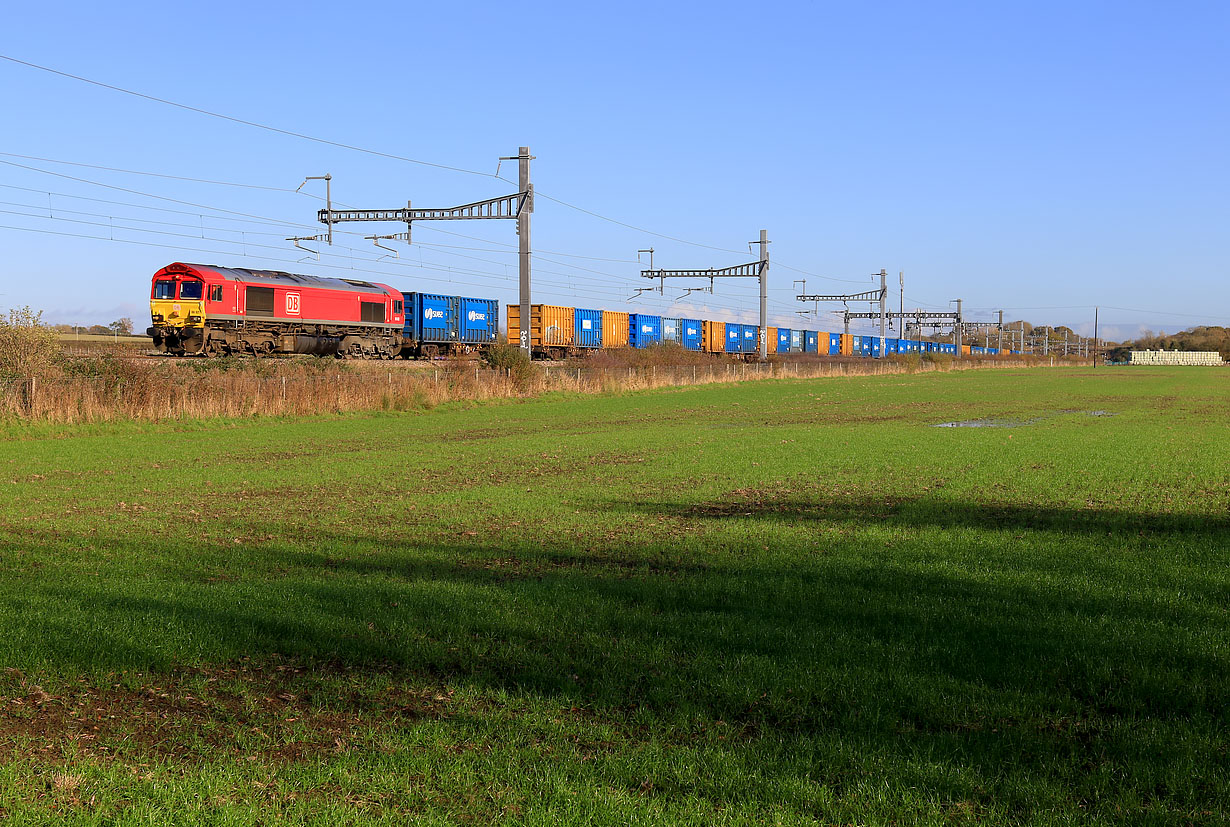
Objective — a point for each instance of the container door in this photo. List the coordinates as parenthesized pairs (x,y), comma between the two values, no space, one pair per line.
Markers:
(433,317)
(475,321)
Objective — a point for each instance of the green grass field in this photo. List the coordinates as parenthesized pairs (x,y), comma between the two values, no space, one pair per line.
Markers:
(778,602)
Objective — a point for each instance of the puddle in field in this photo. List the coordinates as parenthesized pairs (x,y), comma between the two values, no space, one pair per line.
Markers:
(1014,423)
(986,423)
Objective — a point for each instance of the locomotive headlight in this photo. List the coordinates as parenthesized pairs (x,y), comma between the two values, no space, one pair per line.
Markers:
(194,319)
(157,317)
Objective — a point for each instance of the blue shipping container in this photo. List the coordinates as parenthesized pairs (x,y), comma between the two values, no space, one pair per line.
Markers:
(588,327)
(810,341)
(690,333)
(670,330)
(644,330)
(834,344)
(750,332)
(431,317)
(734,337)
(796,341)
(783,339)
(478,321)
(892,345)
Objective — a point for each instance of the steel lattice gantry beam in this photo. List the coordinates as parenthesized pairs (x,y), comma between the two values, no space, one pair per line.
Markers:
(866,296)
(934,319)
(754,269)
(926,317)
(506,206)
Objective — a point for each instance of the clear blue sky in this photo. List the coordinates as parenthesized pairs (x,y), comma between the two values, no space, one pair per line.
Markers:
(1036,157)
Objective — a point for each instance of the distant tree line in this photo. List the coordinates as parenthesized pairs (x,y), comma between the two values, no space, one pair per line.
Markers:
(121,327)
(1204,338)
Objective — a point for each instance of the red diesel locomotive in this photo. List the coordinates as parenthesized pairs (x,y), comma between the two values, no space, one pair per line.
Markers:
(202,309)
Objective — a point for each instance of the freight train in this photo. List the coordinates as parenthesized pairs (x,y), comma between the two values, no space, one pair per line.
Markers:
(208,310)
(559,332)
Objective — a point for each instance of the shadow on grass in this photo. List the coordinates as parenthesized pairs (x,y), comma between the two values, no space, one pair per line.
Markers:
(932,512)
(830,660)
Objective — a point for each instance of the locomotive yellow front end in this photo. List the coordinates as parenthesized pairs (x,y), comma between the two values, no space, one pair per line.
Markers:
(177,310)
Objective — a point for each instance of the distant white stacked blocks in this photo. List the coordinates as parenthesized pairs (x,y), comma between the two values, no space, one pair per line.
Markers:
(1174,357)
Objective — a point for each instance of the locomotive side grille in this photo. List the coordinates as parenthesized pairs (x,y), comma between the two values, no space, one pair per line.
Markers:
(259,301)
(371,311)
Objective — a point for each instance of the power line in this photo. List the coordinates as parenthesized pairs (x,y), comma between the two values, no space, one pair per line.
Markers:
(254,124)
(266,221)
(148,195)
(159,175)
(1164,313)
(350,147)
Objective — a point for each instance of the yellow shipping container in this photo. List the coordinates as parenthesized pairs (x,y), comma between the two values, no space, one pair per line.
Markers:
(559,327)
(713,337)
(614,329)
(847,344)
(965,350)
(772,341)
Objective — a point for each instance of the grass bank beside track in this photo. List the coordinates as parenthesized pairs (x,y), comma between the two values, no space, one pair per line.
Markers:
(790,601)
(112,387)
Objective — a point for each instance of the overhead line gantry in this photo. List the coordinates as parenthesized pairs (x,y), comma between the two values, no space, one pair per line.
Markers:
(755,269)
(517,206)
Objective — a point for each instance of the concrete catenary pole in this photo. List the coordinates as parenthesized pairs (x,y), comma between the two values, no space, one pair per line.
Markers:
(523,242)
(764,296)
(901,305)
(883,309)
(958,330)
(1097,352)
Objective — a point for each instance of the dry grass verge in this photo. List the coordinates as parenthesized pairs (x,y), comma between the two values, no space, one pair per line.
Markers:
(106,388)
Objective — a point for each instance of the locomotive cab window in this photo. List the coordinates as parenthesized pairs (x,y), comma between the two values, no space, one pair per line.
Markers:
(215,293)
(190,290)
(164,289)
(397,307)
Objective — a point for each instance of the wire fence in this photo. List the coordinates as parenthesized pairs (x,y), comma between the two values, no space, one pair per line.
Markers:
(160,395)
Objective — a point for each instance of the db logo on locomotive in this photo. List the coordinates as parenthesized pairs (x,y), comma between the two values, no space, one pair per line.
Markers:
(292,304)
